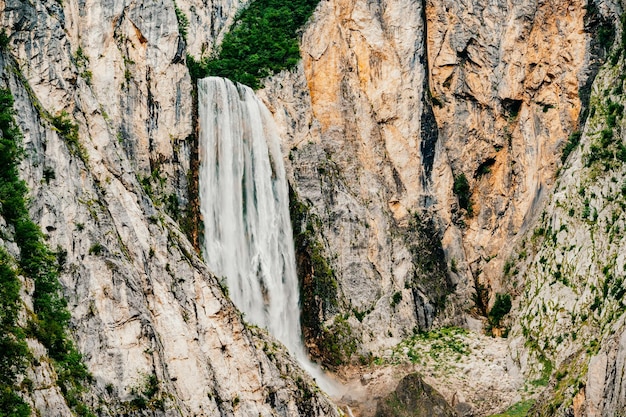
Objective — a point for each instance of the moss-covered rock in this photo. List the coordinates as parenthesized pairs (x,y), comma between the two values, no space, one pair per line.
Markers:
(414,398)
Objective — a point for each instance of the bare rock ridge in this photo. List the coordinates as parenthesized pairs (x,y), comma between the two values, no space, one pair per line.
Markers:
(440,153)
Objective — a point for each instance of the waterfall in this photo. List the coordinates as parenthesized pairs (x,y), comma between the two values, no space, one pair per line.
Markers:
(244,203)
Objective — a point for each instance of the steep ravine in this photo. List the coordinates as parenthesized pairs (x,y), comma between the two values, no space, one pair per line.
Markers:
(502,82)
(509,85)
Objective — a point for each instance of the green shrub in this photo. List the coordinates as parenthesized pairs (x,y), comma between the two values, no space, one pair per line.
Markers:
(606,137)
(13,349)
(263,41)
(337,343)
(68,130)
(65,126)
(500,308)
(507,267)
(48,174)
(396,298)
(572,143)
(96,249)
(461,189)
(586,209)
(183,21)
(82,65)
(12,404)
(38,262)
(605,36)
(519,409)
(453,266)
(4,40)
(606,148)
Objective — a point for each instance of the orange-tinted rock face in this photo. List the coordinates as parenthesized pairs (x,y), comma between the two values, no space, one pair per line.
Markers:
(507,81)
(503,82)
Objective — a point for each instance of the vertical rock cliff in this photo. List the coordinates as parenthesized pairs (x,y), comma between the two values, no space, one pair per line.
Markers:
(434,119)
(450,163)
(569,269)
(155,329)
(455,121)
(506,79)
(360,139)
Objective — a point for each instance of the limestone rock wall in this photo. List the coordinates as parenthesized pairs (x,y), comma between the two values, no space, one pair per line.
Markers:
(396,99)
(143,303)
(568,270)
(506,77)
(508,84)
(351,116)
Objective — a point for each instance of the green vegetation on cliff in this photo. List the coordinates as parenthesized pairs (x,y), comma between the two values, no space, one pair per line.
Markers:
(501,308)
(574,248)
(519,409)
(36,261)
(461,189)
(334,344)
(13,349)
(262,41)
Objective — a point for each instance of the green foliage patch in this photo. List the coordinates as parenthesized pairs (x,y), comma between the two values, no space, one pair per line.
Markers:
(396,298)
(572,143)
(183,21)
(262,41)
(337,342)
(461,189)
(500,308)
(606,149)
(4,40)
(519,409)
(148,396)
(14,352)
(38,262)
(435,345)
(68,130)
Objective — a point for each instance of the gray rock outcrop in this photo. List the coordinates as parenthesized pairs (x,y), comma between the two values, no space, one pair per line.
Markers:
(144,306)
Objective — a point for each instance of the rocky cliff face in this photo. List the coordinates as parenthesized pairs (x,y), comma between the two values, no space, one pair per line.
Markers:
(423,141)
(155,329)
(399,103)
(351,117)
(393,104)
(569,269)
(507,99)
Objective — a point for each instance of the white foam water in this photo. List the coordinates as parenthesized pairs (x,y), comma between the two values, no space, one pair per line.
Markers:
(244,204)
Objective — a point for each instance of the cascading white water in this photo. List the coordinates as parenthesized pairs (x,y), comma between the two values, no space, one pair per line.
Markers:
(244,203)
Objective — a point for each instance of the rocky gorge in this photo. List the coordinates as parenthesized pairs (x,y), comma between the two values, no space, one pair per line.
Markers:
(457,194)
